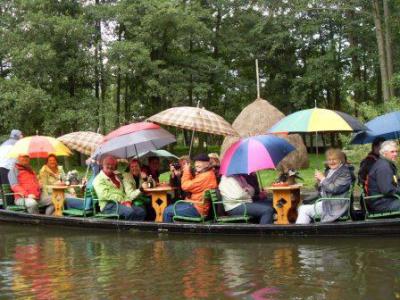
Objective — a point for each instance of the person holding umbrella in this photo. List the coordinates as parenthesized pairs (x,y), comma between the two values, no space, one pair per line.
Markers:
(26,187)
(237,196)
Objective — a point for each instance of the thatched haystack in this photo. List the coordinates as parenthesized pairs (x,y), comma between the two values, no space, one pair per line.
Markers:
(256,119)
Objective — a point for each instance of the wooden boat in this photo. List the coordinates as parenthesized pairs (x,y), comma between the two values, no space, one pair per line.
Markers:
(388,227)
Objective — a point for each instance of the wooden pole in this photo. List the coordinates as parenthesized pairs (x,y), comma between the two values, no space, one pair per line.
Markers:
(258,80)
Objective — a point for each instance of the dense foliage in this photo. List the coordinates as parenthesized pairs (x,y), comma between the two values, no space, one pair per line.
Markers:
(86,65)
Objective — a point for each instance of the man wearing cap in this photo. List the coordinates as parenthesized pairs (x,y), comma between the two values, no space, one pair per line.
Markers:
(25,185)
(7,163)
(109,188)
(203,180)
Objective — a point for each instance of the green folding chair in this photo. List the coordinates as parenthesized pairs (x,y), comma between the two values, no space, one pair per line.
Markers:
(76,212)
(216,201)
(96,209)
(6,192)
(378,215)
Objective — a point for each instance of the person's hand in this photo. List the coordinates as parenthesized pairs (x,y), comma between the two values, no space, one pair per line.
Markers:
(32,196)
(186,168)
(143,175)
(144,185)
(262,195)
(319,176)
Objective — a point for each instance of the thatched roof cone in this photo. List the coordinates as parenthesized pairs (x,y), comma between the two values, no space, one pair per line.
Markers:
(256,119)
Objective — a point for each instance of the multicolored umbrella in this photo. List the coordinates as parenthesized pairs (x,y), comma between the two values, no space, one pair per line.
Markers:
(133,139)
(317,120)
(39,146)
(386,126)
(194,118)
(82,141)
(254,153)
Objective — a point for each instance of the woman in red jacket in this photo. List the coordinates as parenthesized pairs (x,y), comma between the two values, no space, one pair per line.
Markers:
(26,187)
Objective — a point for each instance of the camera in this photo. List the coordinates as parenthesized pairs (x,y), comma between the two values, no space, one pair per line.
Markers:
(176,166)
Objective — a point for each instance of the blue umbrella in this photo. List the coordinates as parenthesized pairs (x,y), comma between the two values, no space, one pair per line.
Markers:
(386,126)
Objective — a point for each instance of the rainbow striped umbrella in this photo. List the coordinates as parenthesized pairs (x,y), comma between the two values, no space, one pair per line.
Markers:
(253,154)
(39,146)
(317,120)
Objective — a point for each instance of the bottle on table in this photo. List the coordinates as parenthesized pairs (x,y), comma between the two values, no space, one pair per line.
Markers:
(150,182)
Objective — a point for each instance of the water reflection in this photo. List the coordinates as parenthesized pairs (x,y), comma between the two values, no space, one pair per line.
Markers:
(39,263)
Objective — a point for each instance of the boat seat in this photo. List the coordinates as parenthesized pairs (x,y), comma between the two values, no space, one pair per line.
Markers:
(200,219)
(217,203)
(96,209)
(84,212)
(347,215)
(6,193)
(378,215)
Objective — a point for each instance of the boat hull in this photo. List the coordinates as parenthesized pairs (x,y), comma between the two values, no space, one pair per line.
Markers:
(388,227)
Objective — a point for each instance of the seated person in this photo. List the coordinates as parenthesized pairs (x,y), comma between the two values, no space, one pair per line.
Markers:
(108,187)
(334,182)
(367,163)
(132,180)
(215,163)
(203,180)
(382,179)
(176,176)
(237,195)
(153,168)
(25,184)
(50,174)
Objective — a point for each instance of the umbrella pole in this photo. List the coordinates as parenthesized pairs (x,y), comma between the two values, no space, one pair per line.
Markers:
(316,143)
(192,139)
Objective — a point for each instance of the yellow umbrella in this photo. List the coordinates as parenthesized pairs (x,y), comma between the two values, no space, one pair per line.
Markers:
(39,146)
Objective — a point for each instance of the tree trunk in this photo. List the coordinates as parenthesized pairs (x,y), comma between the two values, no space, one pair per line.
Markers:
(388,47)
(126,101)
(381,49)
(118,96)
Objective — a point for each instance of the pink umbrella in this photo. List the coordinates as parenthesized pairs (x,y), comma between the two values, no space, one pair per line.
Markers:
(254,153)
(134,139)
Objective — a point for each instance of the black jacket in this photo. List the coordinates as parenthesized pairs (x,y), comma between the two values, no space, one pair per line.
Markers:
(365,166)
(382,179)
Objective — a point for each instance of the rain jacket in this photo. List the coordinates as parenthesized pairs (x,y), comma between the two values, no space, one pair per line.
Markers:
(129,183)
(197,185)
(23,181)
(5,148)
(48,177)
(382,179)
(106,190)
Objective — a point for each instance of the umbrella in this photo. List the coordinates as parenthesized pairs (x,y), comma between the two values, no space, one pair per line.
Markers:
(39,146)
(82,141)
(254,153)
(386,126)
(158,153)
(317,120)
(130,140)
(194,118)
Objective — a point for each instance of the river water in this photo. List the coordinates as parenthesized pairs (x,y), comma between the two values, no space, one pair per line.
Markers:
(65,263)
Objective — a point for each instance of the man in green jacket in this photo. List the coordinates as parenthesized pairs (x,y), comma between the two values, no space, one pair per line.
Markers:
(109,188)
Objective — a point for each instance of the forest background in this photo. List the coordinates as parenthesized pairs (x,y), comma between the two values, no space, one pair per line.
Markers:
(93,65)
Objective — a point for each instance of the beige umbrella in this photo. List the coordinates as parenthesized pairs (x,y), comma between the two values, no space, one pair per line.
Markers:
(194,118)
(82,141)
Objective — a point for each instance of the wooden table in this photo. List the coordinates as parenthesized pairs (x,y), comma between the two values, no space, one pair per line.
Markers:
(285,201)
(58,197)
(159,199)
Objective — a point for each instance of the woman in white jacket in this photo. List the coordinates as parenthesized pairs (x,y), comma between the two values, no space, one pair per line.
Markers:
(237,196)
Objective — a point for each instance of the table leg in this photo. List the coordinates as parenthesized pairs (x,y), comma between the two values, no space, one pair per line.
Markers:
(157,197)
(57,197)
